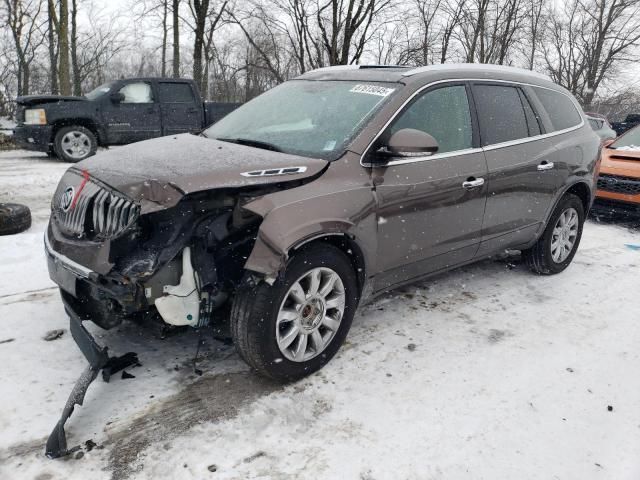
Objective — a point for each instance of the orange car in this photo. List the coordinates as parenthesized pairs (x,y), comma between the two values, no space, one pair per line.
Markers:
(619,179)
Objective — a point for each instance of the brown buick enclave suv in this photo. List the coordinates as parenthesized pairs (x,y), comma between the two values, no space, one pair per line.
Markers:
(318,195)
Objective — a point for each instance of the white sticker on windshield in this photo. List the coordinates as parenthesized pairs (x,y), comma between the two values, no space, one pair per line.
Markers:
(372,90)
(330,145)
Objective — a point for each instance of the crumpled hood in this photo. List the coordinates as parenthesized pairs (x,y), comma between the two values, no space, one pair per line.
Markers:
(157,173)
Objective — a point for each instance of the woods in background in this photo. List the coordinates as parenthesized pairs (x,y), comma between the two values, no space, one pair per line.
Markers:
(235,50)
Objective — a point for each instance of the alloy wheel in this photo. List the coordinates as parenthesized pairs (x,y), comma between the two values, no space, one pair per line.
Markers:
(310,314)
(76,144)
(565,232)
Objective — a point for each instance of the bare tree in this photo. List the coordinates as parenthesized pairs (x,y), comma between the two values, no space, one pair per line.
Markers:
(206,19)
(590,40)
(23,19)
(344,27)
(75,68)
(52,28)
(175,10)
(63,55)
(534,30)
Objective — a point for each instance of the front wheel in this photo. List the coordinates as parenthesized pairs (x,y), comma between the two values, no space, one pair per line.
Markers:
(292,328)
(75,143)
(557,246)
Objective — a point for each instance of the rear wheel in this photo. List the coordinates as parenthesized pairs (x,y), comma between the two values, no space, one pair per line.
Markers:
(294,327)
(75,143)
(557,246)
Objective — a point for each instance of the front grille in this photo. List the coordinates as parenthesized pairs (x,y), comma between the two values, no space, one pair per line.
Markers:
(619,184)
(95,213)
(112,214)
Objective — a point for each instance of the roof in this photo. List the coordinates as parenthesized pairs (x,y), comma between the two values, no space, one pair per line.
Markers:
(393,73)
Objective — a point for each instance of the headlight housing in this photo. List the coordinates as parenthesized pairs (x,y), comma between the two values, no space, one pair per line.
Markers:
(35,116)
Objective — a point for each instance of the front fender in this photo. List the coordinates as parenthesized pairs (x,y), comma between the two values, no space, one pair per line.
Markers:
(288,224)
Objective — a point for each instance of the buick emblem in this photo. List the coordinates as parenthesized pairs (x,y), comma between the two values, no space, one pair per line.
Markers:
(67,199)
(612,181)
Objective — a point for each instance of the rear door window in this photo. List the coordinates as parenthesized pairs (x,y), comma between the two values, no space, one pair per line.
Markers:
(533,121)
(501,114)
(562,111)
(175,93)
(442,113)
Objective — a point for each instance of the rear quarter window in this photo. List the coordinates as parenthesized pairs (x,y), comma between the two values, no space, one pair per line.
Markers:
(561,110)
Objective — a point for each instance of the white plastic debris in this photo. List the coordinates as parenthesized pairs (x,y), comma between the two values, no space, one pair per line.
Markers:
(180,304)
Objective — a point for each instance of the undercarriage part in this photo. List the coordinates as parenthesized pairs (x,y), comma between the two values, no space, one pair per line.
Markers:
(98,359)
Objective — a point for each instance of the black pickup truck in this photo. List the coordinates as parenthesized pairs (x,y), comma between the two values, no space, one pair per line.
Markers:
(116,113)
(630,121)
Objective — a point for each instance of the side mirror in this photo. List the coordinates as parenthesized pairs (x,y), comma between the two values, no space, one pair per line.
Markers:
(408,142)
(608,142)
(117,97)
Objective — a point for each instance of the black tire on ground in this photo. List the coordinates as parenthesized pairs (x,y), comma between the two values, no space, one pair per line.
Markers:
(14,218)
(539,257)
(255,310)
(88,144)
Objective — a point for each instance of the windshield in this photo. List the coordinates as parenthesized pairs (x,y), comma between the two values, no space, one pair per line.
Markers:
(310,118)
(628,141)
(100,91)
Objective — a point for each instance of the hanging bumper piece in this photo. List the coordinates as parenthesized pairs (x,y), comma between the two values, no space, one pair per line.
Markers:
(98,359)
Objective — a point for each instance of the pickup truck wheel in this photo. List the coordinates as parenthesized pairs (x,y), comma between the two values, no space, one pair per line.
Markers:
(557,246)
(292,328)
(75,143)
(14,218)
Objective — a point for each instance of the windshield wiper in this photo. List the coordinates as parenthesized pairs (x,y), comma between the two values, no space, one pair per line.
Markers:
(251,143)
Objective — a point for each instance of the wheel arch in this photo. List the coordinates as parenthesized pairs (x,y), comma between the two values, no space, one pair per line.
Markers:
(87,123)
(343,242)
(581,189)
(583,192)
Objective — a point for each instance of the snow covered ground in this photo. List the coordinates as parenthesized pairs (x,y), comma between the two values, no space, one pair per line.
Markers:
(487,372)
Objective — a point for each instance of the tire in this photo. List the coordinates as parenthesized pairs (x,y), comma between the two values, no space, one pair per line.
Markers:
(75,143)
(542,258)
(255,315)
(14,218)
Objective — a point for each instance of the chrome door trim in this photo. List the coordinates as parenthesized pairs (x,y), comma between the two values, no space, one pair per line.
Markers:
(466,151)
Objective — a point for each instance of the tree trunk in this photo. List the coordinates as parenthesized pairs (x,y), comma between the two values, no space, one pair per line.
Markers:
(201,10)
(53,53)
(63,39)
(176,38)
(165,10)
(77,82)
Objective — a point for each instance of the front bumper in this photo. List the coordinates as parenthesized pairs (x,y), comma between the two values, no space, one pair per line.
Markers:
(607,206)
(101,298)
(34,137)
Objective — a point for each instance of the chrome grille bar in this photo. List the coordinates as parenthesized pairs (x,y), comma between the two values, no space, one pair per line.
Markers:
(96,212)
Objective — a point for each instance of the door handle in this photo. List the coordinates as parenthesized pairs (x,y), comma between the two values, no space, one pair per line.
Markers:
(473,182)
(544,165)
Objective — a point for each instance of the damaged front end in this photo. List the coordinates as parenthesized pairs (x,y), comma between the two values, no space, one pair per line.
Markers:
(117,259)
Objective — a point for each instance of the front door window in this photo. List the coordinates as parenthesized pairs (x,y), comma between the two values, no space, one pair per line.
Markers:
(442,113)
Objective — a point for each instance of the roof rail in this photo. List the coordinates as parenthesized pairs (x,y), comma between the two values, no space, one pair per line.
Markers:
(333,68)
(473,66)
(356,67)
